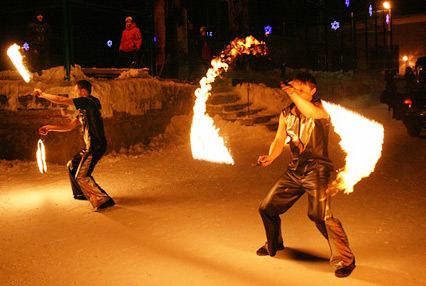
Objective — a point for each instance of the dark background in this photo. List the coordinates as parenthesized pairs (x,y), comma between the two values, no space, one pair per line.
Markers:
(94,22)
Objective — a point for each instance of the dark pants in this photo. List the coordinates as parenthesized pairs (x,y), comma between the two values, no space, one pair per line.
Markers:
(286,191)
(40,60)
(129,59)
(80,171)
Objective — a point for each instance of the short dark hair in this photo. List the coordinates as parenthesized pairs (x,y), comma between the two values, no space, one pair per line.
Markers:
(84,84)
(307,78)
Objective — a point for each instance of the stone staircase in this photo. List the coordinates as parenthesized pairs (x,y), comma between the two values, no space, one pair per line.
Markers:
(226,103)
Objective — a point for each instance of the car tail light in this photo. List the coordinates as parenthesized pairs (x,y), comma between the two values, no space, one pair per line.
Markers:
(408,101)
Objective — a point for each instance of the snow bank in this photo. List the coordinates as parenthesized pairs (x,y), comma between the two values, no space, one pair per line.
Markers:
(353,89)
(134,92)
(271,99)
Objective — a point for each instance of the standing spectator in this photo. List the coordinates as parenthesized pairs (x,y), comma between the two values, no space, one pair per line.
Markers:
(39,35)
(131,41)
(204,50)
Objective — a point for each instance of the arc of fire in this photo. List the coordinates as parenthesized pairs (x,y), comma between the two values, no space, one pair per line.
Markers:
(206,144)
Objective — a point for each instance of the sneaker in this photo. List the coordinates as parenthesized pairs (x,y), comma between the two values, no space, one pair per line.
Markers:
(80,197)
(345,271)
(108,203)
(263,251)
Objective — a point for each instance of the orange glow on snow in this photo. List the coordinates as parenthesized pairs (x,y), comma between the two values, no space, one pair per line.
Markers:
(362,141)
(17,60)
(41,157)
(206,144)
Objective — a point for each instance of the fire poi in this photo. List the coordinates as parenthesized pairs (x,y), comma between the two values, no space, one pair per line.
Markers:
(18,61)
(41,157)
(361,139)
(206,144)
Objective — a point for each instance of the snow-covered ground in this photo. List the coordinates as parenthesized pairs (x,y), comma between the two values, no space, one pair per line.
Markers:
(179,221)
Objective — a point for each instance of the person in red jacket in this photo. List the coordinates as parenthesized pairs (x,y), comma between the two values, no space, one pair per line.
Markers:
(131,41)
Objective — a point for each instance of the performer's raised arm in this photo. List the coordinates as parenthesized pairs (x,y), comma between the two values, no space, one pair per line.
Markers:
(302,94)
(53,98)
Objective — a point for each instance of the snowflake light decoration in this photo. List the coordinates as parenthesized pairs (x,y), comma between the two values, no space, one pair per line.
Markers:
(26,46)
(268,30)
(335,25)
(109,43)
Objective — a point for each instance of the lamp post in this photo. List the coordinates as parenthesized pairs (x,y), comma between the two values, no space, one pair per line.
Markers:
(388,7)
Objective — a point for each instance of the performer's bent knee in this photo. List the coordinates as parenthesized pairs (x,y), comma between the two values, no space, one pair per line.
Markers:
(316,217)
(268,208)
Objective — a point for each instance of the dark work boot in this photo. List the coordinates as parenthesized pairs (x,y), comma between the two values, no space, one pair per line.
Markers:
(263,251)
(345,271)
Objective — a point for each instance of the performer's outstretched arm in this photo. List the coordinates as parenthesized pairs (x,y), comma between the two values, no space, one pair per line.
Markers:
(277,145)
(53,98)
(44,130)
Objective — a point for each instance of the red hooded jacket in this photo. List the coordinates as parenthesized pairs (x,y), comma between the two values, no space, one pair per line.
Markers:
(131,39)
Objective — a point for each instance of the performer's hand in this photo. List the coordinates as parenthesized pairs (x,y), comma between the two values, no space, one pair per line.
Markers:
(287,89)
(37,92)
(265,160)
(44,130)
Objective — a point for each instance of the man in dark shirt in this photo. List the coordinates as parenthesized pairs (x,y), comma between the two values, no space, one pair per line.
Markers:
(305,124)
(81,166)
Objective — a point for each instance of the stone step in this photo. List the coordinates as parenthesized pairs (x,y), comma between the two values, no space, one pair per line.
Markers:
(234,115)
(273,123)
(256,119)
(223,97)
(219,108)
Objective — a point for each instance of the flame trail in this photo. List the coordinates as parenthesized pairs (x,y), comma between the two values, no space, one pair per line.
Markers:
(206,144)
(17,60)
(361,139)
(41,157)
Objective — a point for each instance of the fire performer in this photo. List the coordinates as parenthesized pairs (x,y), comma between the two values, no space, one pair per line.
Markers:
(306,123)
(82,165)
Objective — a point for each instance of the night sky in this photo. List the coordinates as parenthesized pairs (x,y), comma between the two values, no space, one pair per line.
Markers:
(94,22)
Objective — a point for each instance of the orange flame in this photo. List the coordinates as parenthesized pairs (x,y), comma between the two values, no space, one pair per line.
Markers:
(361,139)
(41,157)
(16,57)
(206,144)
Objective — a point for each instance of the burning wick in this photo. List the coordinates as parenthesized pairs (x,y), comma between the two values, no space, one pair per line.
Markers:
(41,157)
(17,60)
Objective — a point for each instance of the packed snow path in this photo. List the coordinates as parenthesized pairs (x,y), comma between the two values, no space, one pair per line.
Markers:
(184,222)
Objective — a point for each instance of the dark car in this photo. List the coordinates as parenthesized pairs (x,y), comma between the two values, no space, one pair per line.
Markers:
(415,117)
(398,95)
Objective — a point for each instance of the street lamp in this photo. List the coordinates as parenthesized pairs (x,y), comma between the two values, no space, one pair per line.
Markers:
(388,7)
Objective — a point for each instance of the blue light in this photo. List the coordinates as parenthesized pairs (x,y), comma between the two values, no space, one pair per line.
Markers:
(26,46)
(268,30)
(370,10)
(335,25)
(109,43)
(347,2)
(210,34)
(155,39)
(387,19)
